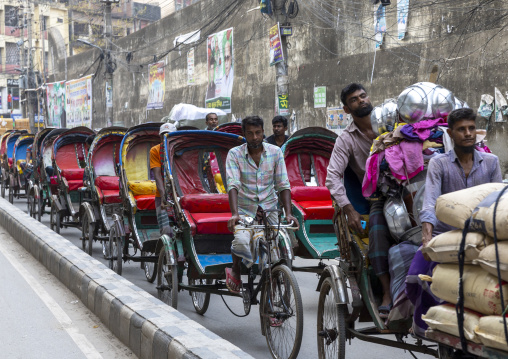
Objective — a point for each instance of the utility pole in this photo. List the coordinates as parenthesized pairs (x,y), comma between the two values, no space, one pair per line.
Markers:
(281,68)
(23,61)
(108,37)
(30,82)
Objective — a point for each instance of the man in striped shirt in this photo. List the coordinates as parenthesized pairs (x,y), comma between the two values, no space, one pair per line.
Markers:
(256,174)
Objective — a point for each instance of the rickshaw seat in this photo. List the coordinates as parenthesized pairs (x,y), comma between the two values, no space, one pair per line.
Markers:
(145,202)
(10,162)
(142,188)
(53,181)
(108,188)
(74,185)
(72,174)
(314,201)
(209,212)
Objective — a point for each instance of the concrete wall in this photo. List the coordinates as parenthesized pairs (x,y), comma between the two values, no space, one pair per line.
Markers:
(466,46)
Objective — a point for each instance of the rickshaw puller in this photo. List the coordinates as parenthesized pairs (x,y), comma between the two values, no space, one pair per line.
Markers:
(256,173)
(156,167)
(352,150)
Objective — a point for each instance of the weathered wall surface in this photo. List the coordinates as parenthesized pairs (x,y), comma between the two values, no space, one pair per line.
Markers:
(467,46)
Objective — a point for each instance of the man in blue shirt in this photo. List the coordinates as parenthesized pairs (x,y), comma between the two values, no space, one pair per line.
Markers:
(460,168)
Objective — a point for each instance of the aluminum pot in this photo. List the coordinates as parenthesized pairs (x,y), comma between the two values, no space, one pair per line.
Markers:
(442,102)
(397,217)
(384,117)
(413,102)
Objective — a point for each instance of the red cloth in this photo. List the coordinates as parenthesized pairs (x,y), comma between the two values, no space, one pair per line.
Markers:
(145,202)
(307,193)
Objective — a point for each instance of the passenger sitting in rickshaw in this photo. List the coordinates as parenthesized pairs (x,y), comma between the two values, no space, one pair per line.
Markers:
(256,173)
(160,195)
(350,153)
(460,168)
(26,166)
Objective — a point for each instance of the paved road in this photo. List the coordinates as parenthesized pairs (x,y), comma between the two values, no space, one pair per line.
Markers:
(245,332)
(41,318)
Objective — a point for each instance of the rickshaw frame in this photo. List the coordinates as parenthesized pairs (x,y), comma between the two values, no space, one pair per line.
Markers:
(15,180)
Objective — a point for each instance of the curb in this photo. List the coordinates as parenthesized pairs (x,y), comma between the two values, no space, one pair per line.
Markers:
(150,328)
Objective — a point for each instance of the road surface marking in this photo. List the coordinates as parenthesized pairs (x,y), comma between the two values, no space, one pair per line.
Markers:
(81,341)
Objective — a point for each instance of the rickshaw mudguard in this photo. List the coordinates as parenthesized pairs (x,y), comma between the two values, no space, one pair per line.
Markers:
(87,208)
(286,247)
(339,283)
(57,202)
(166,244)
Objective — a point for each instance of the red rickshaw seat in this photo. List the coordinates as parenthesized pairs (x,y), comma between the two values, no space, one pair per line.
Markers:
(109,196)
(314,201)
(211,223)
(145,202)
(209,212)
(53,181)
(10,162)
(71,174)
(109,189)
(74,185)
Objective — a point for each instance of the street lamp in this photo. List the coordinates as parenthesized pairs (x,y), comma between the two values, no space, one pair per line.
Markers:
(90,44)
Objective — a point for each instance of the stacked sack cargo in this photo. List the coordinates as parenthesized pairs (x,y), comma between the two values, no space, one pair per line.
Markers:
(475,307)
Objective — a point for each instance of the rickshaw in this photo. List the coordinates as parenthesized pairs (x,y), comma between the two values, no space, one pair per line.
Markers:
(138,228)
(45,182)
(102,181)
(69,160)
(307,154)
(17,180)
(230,127)
(202,244)
(34,183)
(3,149)
(7,150)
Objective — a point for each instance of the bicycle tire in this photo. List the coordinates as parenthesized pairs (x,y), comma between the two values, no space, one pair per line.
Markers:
(167,275)
(200,301)
(331,324)
(284,340)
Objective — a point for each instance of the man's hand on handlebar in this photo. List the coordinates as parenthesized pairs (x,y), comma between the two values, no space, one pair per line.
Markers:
(353,218)
(290,218)
(232,222)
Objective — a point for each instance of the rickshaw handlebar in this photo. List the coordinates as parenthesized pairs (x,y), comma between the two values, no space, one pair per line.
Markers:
(248,226)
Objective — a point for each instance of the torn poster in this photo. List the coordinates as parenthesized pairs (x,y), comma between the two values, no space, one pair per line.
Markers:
(500,106)
(379,25)
(402,13)
(486,106)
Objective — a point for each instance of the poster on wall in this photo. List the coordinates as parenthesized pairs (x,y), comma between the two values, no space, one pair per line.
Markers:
(190,67)
(336,119)
(156,85)
(402,13)
(78,95)
(283,105)
(319,96)
(220,70)
(379,25)
(276,54)
(55,98)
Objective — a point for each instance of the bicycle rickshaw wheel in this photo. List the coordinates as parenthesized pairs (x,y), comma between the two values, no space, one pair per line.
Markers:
(40,207)
(331,324)
(284,341)
(3,188)
(29,205)
(200,300)
(11,195)
(55,220)
(87,230)
(167,277)
(115,251)
(150,269)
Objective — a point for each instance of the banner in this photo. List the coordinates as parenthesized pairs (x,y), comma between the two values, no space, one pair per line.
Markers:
(336,119)
(156,85)
(55,98)
(283,105)
(78,94)
(402,13)
(220,70)
(190,67)
(276,53)
(379,25)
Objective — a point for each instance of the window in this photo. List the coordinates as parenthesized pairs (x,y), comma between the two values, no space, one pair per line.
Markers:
(11,16)
(11,54)
(81,29)
(45,23)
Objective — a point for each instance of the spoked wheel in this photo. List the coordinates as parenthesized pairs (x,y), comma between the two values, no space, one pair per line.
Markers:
(115,251)
(4,184)
(11,195)
(331,324)
(29,205)
(200,300)
(87,231)
(40,207)
(150,268)
(282,314)
(55,219)
(167,280)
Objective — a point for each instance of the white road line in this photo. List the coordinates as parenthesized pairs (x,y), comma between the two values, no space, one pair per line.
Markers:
(81,341)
